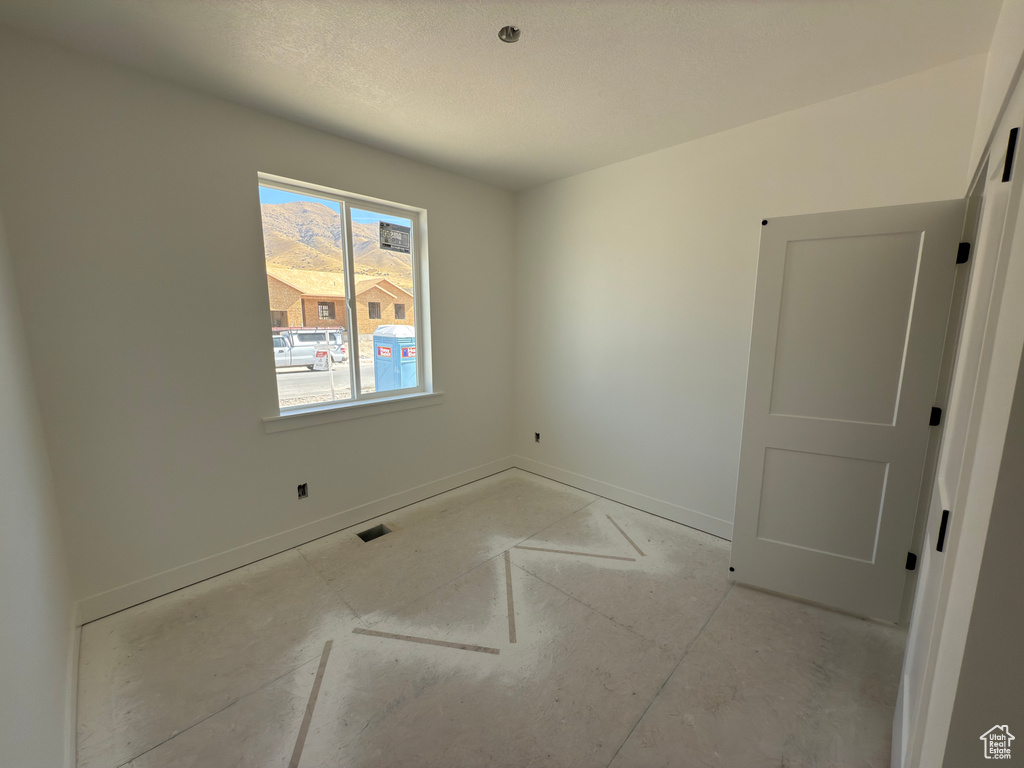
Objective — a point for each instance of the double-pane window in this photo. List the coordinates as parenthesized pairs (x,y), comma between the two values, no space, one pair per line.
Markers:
(341,270)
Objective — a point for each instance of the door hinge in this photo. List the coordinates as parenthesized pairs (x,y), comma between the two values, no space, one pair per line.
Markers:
(942,530)
(1011,149)
(963,253)
(936,417)
(911,561)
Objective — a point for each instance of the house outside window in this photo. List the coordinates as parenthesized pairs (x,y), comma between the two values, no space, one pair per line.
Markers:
(332,281)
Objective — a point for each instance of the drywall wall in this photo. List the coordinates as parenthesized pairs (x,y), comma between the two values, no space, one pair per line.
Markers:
(35,596)
(1002,66)
(991,674)
(135,233)
(635,281)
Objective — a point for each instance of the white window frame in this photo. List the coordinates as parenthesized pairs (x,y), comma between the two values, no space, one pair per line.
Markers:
(390,400)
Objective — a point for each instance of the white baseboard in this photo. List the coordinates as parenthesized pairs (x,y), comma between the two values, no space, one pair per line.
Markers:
(901,727)
(713,525)
(71,691)
(119,598)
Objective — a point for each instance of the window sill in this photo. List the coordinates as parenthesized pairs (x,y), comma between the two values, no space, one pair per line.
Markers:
(325,414)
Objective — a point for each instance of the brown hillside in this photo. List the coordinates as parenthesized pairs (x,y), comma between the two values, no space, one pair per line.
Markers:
(309,236)
(301,256)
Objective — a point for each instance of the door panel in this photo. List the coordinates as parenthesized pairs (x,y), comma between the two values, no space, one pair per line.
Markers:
(843,320)
(841,491)
(849,320)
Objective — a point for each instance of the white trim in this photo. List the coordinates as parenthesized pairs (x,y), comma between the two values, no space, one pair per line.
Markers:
(1004,338)
(71,692)
(900,724)
(286,184)
(702,522)
(997,124)
(352,307)
(325,414)
(119,598)
(105,603)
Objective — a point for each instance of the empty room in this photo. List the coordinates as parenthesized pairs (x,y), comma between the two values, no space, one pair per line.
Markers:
(585,383)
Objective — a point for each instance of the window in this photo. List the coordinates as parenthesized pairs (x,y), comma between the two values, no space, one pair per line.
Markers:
(325,243)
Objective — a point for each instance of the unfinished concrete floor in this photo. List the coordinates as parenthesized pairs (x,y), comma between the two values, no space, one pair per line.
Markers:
(512,622)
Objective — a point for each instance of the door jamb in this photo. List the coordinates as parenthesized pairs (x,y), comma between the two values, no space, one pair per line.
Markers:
(943,386)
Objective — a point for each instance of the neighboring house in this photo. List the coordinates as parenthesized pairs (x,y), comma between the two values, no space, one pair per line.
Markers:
(308,298)
(381,302)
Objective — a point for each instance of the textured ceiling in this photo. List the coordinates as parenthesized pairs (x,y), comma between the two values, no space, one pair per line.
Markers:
(590,83)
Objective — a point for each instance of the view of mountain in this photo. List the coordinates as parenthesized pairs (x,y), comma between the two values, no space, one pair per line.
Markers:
(302,235)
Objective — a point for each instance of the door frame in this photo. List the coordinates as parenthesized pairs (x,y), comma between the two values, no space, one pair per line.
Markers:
(943,392)
(994,318)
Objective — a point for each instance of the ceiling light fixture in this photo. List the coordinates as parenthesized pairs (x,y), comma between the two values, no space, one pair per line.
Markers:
(509,34)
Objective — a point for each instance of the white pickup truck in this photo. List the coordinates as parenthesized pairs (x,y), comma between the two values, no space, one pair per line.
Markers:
(299,348)
(286,355)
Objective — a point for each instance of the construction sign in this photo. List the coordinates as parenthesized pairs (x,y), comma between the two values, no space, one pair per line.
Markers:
(395,237)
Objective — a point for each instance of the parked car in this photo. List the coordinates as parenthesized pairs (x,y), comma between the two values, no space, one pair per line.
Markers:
(286,355)
(311,338)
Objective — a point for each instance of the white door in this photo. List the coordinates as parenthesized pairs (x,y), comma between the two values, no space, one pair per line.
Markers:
(849,317)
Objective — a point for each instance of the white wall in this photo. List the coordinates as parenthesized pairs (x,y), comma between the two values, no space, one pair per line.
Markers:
(635,282)
(134,228)
(35,596)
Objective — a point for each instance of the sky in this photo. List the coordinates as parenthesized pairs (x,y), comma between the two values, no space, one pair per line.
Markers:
(275,196)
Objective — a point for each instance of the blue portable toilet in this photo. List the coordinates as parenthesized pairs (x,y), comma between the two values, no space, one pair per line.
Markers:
(394,357)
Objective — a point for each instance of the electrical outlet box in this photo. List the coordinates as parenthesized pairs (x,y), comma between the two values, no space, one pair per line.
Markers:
(303,490)
(536,437)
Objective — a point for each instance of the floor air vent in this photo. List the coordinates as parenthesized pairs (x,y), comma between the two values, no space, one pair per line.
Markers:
(374,533)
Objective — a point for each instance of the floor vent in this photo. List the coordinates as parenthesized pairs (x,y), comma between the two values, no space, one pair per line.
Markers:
(374,533)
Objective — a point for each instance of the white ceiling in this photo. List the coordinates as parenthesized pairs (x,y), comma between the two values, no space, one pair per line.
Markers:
(590,83)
